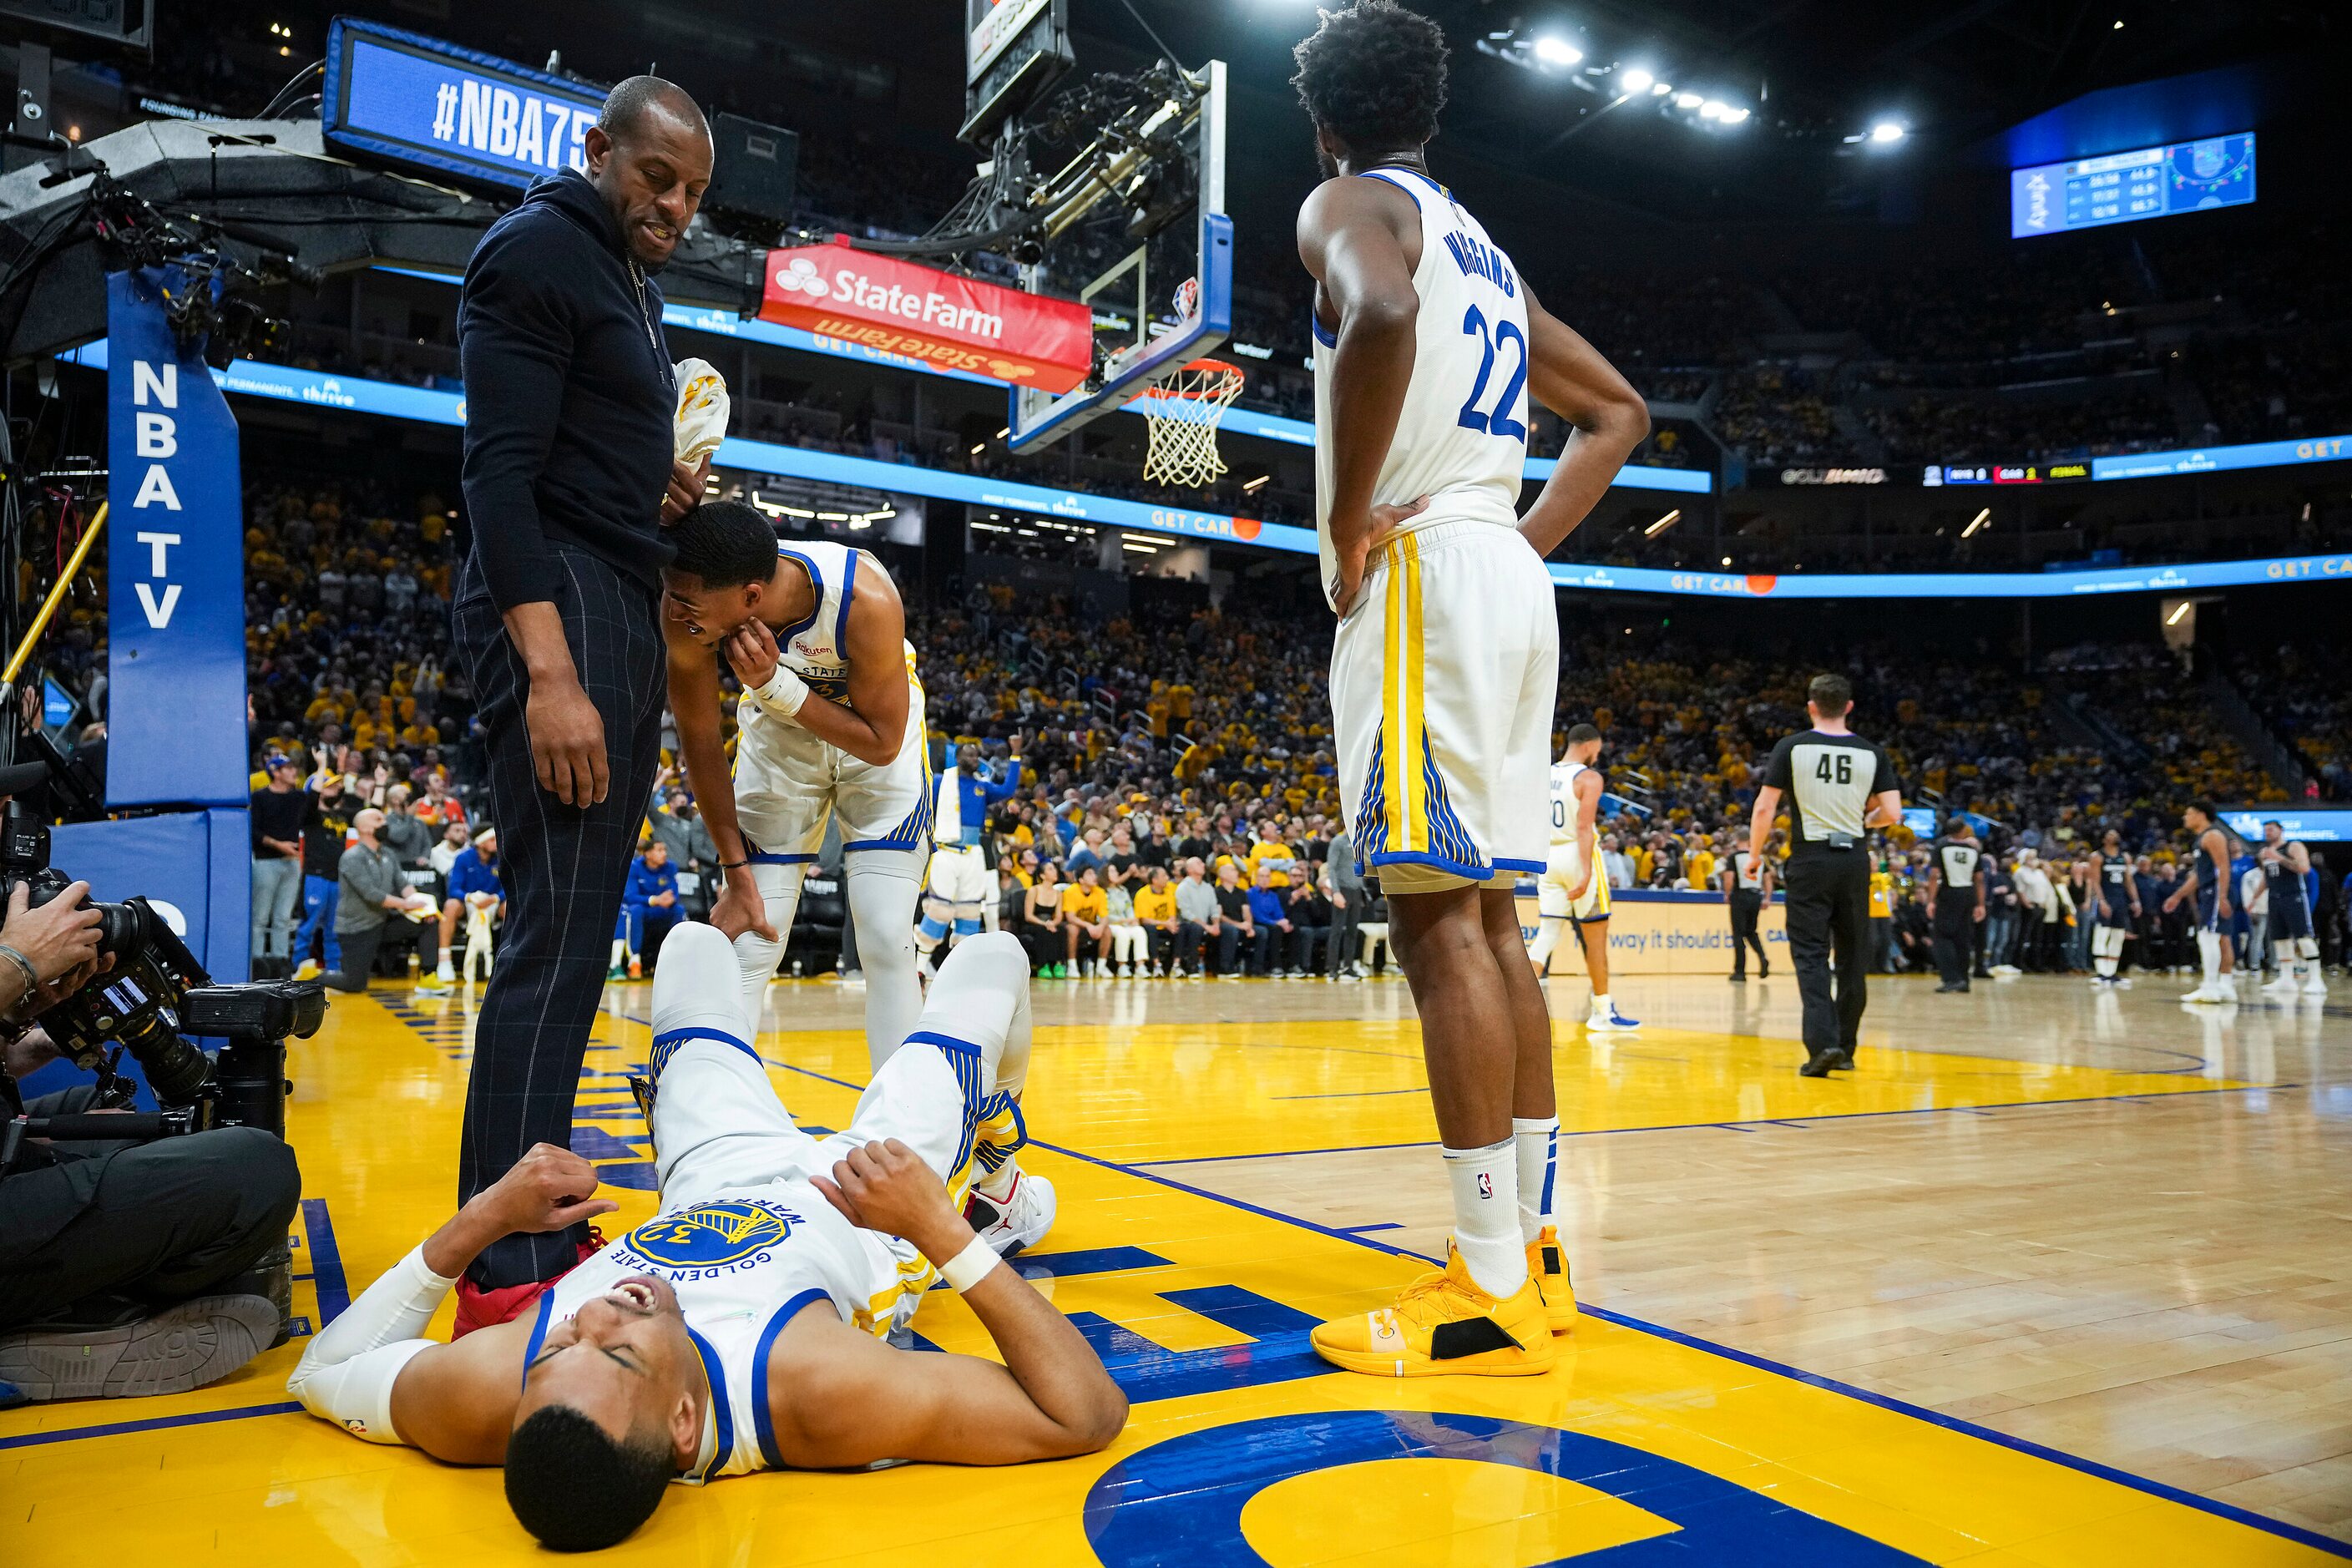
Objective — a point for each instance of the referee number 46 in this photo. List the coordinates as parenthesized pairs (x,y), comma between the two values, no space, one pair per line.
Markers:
(1845,768)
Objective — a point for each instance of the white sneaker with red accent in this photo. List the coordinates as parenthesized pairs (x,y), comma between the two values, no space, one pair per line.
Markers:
(1019,1220)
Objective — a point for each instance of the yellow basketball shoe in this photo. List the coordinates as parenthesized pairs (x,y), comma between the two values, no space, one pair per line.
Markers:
(1548,1267)
(1443,1324)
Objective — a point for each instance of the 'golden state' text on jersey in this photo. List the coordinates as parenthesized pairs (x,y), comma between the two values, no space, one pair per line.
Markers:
(1462,436)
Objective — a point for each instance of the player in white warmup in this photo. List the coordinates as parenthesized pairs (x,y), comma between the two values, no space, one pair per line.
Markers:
(1446,660)
(831,720)
(743,1327)
(960,895)
(1574,885)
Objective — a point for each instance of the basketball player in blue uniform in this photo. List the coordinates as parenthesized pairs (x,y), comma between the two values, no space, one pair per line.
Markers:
(743,1328)
(2287,876)
(2119,913)
(2211,882)
(1445,666)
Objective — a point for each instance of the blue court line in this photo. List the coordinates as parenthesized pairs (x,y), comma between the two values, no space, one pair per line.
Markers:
(117,1428)
(1826,1115)
(326,1261)
(1384,1224)
(1359,1094)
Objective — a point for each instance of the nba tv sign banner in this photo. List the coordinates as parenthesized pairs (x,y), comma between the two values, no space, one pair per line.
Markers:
(944,320)
(175,563)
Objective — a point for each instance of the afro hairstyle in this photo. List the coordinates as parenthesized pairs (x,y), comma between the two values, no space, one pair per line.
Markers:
(1373,75)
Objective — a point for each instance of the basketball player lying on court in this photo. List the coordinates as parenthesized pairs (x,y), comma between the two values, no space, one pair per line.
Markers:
(741,1328)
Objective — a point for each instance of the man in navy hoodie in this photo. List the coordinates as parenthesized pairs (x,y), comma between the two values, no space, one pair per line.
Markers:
(569,478)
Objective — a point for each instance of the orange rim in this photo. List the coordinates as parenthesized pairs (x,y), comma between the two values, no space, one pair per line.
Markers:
(1226,372)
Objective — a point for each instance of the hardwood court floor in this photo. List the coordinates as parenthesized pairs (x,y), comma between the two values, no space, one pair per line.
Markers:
(2055,1277)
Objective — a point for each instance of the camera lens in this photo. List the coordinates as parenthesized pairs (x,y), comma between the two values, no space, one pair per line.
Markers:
(175,1070)
(123,929)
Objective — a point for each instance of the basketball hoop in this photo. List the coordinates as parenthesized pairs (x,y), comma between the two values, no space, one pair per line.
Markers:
(1181,413)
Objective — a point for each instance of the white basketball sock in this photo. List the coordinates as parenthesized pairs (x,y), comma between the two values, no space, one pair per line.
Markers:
(1487,1216)
(1601,1006)
(2106,966)
(2209,955)
(1537,1142)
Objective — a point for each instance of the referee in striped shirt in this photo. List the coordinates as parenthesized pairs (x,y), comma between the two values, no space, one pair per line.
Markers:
(1838,786)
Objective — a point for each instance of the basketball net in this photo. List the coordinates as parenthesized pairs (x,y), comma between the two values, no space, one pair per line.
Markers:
(1183,410)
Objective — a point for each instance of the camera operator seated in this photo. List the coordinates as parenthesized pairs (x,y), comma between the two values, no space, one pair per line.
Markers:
(125,1268)
(377,909)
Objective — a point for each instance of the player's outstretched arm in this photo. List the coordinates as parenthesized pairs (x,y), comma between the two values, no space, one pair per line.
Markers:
(694,698)
(1567,376)
(840,1398)
(371,1373)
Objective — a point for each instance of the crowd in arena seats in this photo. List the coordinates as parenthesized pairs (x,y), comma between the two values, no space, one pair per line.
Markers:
(1773,417)
(1176,727)
(1956,429)
(2298,690)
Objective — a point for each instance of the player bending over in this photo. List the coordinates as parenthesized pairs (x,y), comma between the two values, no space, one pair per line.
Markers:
(1446,658)
(1573,886)
(960,891)
(831,719)
(740,1328)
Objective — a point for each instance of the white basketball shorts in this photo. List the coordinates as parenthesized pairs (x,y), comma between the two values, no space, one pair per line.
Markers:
(788,782)
(1559,876)
(1442,680)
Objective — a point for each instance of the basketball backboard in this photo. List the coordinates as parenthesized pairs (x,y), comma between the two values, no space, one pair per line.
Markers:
(1149,248)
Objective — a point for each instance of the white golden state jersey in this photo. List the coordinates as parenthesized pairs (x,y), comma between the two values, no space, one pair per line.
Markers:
(813,648)
(743,1263)
(1461,436)
(1563,802)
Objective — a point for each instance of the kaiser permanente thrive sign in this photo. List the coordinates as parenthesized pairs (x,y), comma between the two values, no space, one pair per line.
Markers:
(175,563)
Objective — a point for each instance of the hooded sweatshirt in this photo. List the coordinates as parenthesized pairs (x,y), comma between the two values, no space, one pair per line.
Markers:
(569,395)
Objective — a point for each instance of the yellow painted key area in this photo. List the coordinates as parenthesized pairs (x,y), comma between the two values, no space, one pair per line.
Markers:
(2047,1281)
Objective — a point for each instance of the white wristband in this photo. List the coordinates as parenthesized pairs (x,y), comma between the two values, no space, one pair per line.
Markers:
(782,693)
(970,1267)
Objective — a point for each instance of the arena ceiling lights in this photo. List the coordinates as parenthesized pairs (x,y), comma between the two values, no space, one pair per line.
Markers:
(1565,55)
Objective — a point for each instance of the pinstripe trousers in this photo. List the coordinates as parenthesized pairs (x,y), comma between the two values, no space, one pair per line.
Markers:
(563,868)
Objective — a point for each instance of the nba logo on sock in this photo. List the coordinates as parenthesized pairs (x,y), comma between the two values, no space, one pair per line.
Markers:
(1485,1186)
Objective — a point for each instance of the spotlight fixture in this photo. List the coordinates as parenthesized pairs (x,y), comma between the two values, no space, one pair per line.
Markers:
(1660,88)
(1638,81)
(1556,51)
(1687,101)
(1887,132)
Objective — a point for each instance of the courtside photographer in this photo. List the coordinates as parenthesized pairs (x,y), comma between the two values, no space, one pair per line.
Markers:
(151,1262)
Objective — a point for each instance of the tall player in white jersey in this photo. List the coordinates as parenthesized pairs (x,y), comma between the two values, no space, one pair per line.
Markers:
(1445,663)
(741,1328)
(1575,885)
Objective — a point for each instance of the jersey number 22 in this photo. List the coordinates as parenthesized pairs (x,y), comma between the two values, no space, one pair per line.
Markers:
(1498,420)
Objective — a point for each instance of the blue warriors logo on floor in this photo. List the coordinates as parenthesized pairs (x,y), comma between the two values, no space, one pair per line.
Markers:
(711,1236)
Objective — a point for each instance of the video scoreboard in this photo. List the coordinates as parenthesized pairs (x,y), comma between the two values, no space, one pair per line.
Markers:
(2125,187)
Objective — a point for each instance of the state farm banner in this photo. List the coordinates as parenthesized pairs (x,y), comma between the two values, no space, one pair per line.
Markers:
(950,322)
